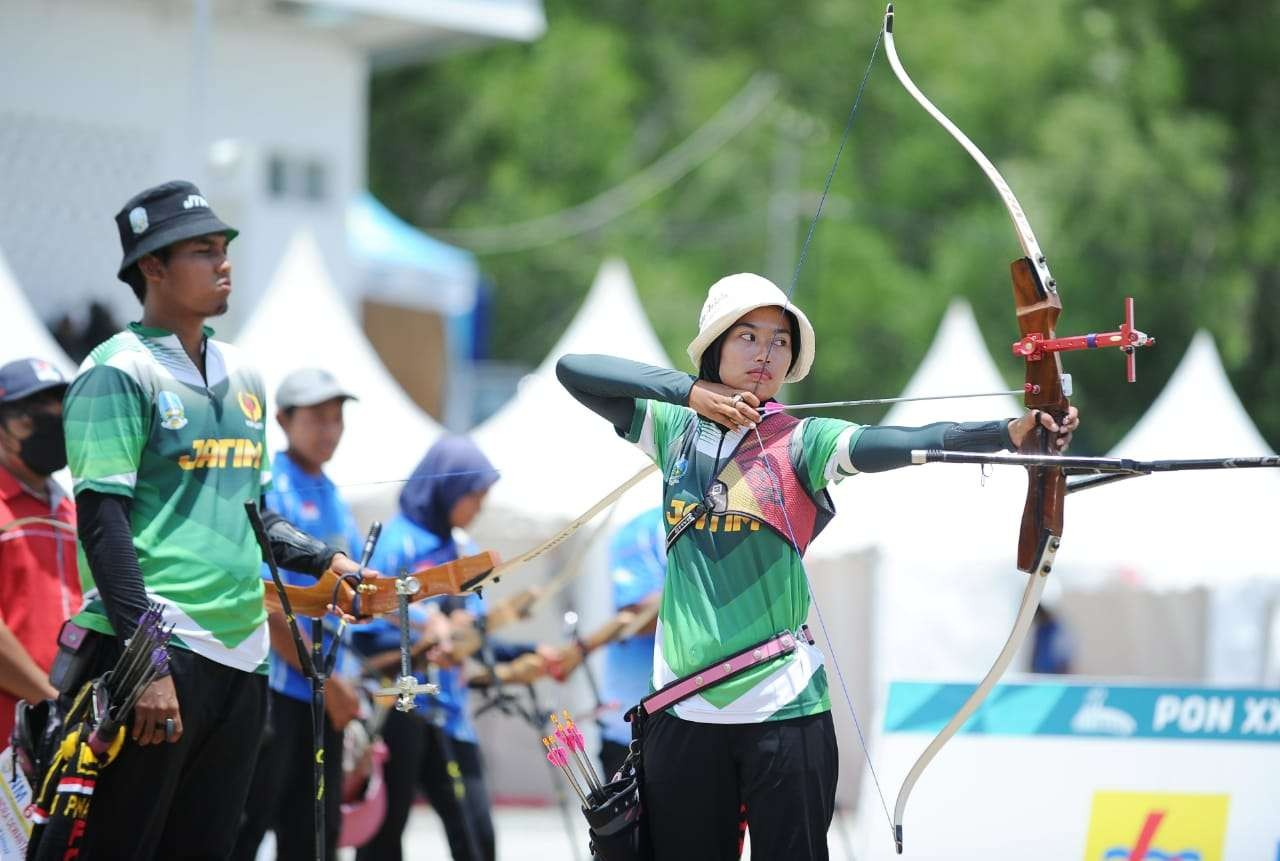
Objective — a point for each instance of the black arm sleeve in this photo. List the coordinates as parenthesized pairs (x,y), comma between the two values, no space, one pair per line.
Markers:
(107,538)
(885,447)
(293,548)
(608,386)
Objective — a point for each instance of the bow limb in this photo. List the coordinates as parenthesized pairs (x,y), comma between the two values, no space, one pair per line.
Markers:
(1038,306)
(528,601)
(480,581)
(1022,623)
(1026,236)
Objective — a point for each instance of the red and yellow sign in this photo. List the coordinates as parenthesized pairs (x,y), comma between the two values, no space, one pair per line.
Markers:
(250,406)
(1156,826)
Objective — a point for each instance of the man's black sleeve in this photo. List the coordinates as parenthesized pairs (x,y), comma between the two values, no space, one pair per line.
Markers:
(884,447)
(609,386)
(107,537)
(293,548)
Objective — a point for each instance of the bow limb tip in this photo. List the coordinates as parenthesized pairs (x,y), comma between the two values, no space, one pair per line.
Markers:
(888,28)
(897,829)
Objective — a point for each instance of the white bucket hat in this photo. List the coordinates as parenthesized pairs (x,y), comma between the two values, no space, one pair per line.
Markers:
(735,295)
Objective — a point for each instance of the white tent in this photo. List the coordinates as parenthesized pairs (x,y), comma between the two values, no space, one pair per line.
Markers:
(556,456)
(22,333)
(302,322)
(1179,530)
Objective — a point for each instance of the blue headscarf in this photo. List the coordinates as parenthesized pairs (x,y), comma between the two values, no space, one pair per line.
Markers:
(452,468)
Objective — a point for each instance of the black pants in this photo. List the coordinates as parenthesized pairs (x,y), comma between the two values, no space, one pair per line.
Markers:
(612,756)
(420,760)
(697,777)
(280,796)
(181,800)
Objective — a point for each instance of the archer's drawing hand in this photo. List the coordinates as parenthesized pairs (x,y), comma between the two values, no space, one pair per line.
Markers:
(1019,428)
(158,702)
(725,406)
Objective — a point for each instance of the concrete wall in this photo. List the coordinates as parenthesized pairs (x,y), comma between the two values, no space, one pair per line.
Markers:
(101,99)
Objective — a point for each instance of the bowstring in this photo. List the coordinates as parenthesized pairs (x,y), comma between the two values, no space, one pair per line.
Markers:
(777,487)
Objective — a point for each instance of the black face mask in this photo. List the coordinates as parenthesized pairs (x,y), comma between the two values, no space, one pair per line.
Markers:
(45,451)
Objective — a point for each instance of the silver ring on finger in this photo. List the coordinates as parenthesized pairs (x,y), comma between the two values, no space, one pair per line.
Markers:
(170,729)
(737,399)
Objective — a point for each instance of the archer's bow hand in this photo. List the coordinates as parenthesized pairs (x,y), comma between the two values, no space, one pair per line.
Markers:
(1020,427)
(344,565)
(351,575)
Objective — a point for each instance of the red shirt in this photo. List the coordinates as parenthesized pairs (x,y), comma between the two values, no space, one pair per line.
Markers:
(39,583)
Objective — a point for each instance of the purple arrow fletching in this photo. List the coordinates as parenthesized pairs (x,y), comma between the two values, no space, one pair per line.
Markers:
(160,660)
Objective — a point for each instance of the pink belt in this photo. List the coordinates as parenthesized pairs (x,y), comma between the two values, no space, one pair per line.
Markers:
(687,686)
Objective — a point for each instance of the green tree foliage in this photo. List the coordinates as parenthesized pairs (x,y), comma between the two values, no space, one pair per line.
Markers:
(1137,137)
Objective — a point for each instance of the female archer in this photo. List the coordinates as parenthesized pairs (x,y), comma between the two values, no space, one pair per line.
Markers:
(741,712)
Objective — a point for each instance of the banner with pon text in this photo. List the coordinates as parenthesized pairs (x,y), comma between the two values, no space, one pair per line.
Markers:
(1081,770)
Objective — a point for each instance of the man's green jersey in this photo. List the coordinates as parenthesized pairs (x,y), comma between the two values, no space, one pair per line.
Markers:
(189,451)
(731,581)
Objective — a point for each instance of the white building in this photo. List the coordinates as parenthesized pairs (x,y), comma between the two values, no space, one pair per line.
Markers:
(263,103)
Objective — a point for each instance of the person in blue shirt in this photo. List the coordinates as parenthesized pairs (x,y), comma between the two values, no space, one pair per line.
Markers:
(1053,647)
(434,748)
(310,404)
(637,568)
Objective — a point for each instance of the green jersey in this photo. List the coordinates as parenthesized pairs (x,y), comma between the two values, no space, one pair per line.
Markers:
(732,581)
(188,451)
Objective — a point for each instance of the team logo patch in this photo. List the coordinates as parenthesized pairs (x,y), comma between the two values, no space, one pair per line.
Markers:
(46,372)
(173,415)
(1156,826)
(677,471)
(252,409)
(138,220)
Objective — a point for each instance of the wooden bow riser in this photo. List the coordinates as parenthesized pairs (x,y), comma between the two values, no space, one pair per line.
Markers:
(1038,308)
(377,595)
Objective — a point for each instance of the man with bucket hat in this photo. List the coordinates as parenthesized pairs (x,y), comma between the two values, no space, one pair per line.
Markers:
(166,441)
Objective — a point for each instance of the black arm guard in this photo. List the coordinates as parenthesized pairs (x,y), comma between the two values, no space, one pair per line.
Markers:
(295,549)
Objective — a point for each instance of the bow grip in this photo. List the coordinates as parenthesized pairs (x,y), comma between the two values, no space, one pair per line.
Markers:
(1038,307)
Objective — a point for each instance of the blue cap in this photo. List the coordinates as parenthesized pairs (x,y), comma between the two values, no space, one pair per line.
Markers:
(23,378)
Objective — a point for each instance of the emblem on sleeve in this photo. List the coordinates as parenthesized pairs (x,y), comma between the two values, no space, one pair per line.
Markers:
(173,415)
(252,409)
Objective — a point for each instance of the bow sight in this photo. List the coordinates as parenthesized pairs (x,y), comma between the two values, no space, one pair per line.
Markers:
(1033,346)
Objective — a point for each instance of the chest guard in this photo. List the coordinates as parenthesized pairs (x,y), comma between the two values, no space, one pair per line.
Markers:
(749,485)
